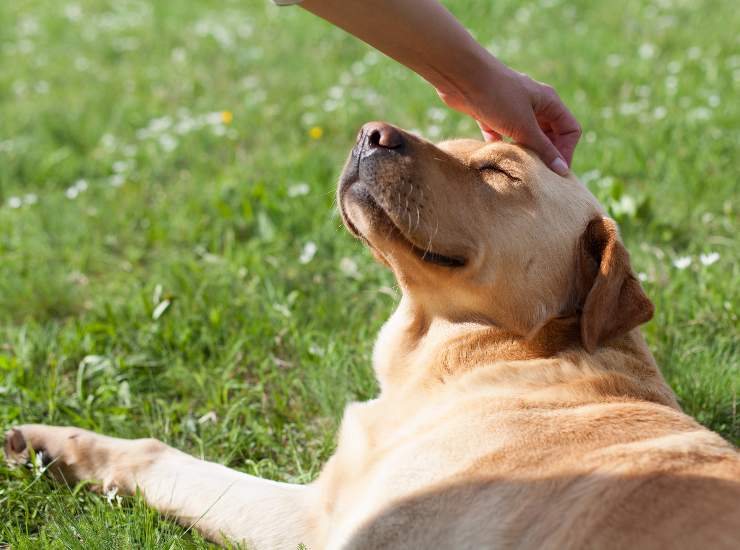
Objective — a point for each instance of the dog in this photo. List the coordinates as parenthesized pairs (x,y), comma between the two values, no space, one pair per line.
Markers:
(519,407)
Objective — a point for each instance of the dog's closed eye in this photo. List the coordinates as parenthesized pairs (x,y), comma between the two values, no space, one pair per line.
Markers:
(496,169)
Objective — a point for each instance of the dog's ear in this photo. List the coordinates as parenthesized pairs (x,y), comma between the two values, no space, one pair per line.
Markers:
(614,301)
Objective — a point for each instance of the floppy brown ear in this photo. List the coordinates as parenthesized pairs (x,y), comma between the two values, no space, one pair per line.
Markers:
(615,302)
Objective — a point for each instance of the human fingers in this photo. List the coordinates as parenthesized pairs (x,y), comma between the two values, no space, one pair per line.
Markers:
(489,135)
(558,123)
(532,136)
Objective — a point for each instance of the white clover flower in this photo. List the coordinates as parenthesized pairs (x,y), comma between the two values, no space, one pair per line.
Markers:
(245,29)
(614,60)
(671,84)
(298,189)
(316,350)
(167,142)
(108,141)
(38,464)
(371,58)
(709,259)
(111,494)
(437,114)
(590,176)
(330,105)
(117,180)
(674,67)
(700,113)
(522,15)
(434,131)
(121,166)
(72,192)
(512,46)
(643,91)
(647,51)
(308,252)
(682,263)
(371,97)
(30,198)
(258,96)
(250,82)
(349,267)
(15,202)
(178,55)
(209,417)
(213,118)
(309,119)
(694,52)
(81,185)
(186,125)
(159,124)
(659,112)
(81,63)
(605,182)
(73,12)
(632,108)
(28,26)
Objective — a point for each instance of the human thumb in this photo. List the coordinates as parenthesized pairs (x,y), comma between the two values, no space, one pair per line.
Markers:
(540,144)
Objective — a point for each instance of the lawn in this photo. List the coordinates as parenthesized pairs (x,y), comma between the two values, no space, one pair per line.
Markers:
(172,264)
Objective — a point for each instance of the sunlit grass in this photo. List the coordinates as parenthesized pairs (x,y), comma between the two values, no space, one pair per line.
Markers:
(172,265)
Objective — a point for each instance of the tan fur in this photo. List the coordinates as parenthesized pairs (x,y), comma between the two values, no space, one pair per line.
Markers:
(519,404)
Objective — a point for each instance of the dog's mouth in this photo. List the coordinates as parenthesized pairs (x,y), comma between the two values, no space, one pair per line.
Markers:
(425,254)
(435,258)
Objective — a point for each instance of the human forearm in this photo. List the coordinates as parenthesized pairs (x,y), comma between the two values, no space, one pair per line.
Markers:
(420,34)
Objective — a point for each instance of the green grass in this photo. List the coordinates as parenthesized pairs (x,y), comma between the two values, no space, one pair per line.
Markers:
(256,355)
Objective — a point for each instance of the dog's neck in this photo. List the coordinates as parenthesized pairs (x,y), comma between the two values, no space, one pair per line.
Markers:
(416,352)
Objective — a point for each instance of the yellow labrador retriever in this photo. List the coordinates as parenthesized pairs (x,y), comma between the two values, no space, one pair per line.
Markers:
(519,405)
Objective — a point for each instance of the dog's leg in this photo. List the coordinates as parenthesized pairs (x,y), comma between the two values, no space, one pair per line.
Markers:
(220,503)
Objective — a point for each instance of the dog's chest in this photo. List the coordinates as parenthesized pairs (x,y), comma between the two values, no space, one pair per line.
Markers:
(389,450)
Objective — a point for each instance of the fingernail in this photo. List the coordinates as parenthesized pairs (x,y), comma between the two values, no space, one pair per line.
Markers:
(559,167)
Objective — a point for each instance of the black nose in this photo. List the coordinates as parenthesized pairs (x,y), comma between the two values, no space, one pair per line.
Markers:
(381,135)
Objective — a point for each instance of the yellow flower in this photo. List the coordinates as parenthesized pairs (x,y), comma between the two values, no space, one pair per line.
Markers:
(316,132)
(227,117)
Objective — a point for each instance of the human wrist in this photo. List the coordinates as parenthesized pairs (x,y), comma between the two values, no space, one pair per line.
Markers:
(474,73)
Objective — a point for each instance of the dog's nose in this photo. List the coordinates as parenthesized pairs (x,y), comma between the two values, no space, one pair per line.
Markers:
(381,135)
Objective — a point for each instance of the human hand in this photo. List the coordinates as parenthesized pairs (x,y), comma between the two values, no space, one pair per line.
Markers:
(506,103)
(428,39)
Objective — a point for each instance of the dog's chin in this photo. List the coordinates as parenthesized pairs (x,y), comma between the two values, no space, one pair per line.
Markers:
(365,218)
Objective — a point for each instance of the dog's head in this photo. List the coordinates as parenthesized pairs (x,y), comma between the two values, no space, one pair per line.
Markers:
(487,233)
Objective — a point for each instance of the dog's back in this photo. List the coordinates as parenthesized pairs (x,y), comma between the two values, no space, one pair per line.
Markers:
(566,452)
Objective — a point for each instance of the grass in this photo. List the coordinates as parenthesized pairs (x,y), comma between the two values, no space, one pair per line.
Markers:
(151,281)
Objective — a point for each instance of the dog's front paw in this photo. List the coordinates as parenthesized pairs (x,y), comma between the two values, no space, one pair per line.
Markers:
(70,454)
(15,447)
(74,454)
